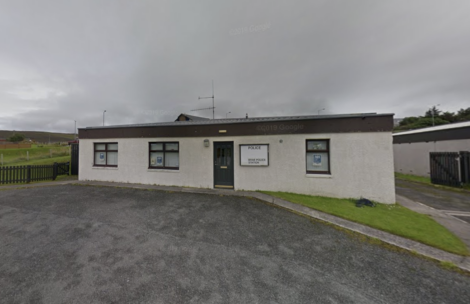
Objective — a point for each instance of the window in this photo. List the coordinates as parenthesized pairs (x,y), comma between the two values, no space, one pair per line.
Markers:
(164,155)
(318,156)
(106,154)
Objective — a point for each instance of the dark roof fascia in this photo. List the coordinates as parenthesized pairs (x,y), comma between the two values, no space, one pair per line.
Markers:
(221,121)
(344,124)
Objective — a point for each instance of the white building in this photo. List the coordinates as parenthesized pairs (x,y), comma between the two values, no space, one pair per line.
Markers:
(346,156)
(411,148)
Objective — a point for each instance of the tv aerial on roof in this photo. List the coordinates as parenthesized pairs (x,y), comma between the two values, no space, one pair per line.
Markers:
(213,102)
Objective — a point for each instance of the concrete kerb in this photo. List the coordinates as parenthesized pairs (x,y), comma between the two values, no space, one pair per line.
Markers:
(417,248)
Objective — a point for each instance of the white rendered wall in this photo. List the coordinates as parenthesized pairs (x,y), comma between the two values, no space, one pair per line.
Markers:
(361,165)
(413,158)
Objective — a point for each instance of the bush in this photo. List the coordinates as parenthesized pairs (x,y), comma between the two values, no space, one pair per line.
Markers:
(16,138)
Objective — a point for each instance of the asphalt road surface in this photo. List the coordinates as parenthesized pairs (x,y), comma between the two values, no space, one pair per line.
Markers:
(441,199)
(82,244)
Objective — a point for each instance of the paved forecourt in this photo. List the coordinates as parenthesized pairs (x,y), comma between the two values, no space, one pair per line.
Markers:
(71,243)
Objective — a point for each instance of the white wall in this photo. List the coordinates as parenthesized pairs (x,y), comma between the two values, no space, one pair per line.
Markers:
(361,165)
(413,158)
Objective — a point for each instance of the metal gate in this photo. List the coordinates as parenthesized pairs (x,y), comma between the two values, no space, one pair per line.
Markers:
(74,159)
(450,168)
(465,167)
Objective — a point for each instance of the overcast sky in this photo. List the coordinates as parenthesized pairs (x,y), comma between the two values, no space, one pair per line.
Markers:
(148,61)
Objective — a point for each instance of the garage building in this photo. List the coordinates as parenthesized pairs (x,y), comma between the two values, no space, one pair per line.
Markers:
(412,148)
(346,156)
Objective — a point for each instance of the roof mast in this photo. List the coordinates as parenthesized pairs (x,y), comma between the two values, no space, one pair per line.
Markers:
(213,102)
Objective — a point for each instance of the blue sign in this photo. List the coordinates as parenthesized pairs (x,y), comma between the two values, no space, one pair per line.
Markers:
(102,156)
(159,160)
(317,160)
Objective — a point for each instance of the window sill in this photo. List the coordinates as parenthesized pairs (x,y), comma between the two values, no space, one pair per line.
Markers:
(104,168)
(163,170)
(313,175)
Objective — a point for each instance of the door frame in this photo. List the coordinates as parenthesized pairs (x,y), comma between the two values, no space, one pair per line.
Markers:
(233,163)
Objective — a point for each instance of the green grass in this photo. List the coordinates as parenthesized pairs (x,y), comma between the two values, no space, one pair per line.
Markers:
(413,178)
(427,181)
(395,219)
(19,156)
(44,161)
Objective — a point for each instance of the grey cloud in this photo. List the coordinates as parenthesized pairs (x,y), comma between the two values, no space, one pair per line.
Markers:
(145,61)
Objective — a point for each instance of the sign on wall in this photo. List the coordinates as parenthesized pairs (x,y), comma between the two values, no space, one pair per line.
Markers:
(254,155)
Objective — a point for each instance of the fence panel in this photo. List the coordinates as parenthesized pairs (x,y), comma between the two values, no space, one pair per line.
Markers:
(27,174)
(465,166)
(445,168)
(74,159)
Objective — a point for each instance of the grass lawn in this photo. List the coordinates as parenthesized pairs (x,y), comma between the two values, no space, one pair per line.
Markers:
(413,178)
(391,218)
(44,161)
(15,157)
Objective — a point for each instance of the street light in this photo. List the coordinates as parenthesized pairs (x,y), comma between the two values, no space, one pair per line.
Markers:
(75,130)
(227,114)
(103,116)
(321,110)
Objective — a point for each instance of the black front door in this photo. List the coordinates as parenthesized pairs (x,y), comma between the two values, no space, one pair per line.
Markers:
(223,165)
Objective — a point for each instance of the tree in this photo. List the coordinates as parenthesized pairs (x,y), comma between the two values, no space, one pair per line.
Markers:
(440,118)
(408,121)
(449,116)
(432,112)
(463,115)
(16,138)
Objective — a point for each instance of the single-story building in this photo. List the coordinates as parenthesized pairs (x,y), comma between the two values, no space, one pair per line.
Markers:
(411,149)
(346,156)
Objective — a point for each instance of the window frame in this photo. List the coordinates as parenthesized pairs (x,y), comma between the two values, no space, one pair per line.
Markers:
(164,151)
(106,150)
(327,151)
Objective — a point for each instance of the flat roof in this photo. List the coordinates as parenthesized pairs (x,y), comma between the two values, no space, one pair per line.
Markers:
(455,131)
(450,126)
(222,121)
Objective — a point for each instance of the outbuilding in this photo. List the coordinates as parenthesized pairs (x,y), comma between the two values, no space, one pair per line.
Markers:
(412,148)
(346,156)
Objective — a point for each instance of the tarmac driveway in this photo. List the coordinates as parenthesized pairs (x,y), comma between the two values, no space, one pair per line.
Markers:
(451,202)
(82,244)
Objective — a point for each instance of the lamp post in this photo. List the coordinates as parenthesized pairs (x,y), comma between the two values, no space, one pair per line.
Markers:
(226,115)
(321,110)
(103,116)
(75,130)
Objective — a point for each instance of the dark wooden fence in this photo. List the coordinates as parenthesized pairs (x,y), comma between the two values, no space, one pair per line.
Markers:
(74,159)
(450,168)
(27,174)
(465,167)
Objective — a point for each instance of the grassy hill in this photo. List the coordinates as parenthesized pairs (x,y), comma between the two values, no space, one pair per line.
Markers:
(40,137)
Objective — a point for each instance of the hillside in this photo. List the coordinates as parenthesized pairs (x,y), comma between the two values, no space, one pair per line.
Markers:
(40,137)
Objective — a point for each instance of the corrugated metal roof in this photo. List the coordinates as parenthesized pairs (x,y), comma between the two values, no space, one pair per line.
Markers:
(242,120)
(456,125)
